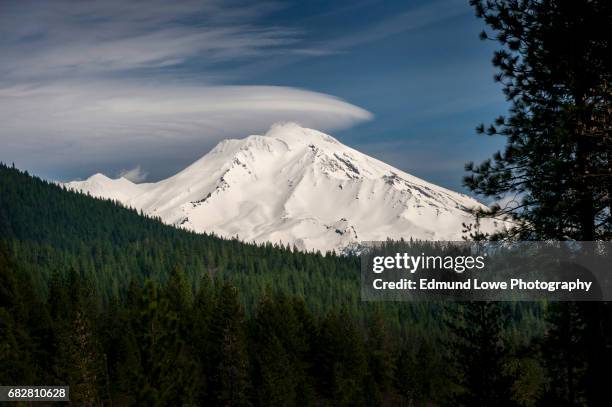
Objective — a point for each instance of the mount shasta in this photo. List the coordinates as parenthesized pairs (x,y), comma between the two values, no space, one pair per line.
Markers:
(298,186)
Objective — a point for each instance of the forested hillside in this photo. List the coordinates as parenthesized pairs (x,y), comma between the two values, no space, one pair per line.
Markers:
(129,311)
(53,230)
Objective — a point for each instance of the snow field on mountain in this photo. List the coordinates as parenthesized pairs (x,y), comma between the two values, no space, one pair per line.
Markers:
(298,186)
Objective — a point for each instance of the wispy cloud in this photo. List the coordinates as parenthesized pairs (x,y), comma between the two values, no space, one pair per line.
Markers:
(136,174)
(89,83)
(411,19)
(85,37)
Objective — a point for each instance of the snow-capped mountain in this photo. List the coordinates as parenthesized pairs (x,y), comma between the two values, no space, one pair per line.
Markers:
(298,186)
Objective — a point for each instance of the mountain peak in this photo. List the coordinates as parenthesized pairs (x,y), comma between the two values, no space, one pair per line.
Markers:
(99,177)
(299,186)
(294,132)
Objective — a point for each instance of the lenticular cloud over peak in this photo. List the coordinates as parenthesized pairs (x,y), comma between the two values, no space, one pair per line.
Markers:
(93,124)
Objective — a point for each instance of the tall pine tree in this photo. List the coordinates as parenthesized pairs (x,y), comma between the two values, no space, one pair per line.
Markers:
(555,172)
(555,68)
(479,352)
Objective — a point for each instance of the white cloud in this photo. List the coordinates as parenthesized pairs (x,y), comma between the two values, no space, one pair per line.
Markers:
(76,123)
(136,174)
(113,110)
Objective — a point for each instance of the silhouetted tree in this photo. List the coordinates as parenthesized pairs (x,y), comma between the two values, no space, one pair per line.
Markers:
(479,354)
(555,68)
(555,171)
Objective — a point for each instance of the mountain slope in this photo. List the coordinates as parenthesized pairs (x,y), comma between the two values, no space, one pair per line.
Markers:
(298,186)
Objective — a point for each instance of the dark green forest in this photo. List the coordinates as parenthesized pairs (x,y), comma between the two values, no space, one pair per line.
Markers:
(129,311)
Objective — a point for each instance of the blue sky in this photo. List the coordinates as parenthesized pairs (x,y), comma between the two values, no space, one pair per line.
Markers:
(147,87)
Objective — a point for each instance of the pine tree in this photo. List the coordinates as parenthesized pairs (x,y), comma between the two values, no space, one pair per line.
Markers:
(555,68)
(15,348)
(479,353)
(230,382)
(380,354)
(178,292)
(421,372)
(83,363)
(280,343)
(78,362)
(166,375)
(564,354)
(200,341)
(341,361)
